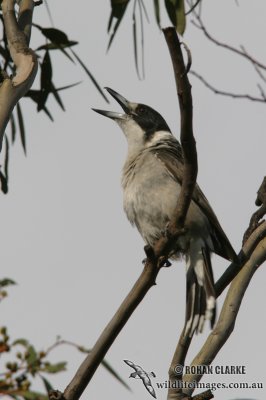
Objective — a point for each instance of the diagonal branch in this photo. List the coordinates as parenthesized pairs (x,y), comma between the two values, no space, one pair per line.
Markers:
(232,303)
(18,36)
(252,255)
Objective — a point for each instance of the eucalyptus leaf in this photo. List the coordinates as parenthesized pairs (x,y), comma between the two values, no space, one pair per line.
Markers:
(156,4)
(176,12)
(54,368)
(21,127)
(6,282)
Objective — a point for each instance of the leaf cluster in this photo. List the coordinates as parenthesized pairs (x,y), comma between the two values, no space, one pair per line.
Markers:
(55,40)
(175,10)
(26,364)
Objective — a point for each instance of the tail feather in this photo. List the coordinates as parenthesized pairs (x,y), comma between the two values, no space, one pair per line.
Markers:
(209,284)
(200,304)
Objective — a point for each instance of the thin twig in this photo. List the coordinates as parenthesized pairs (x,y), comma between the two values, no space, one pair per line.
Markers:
(228,94)
(200,25)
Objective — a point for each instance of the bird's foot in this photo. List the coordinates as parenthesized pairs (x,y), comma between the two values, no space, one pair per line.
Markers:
(149,251)
(169,233)
(165,231)
(164,262)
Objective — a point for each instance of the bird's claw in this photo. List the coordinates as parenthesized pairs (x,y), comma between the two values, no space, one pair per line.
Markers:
(164,262)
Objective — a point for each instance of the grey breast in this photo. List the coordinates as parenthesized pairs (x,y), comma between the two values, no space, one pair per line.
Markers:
(150,194)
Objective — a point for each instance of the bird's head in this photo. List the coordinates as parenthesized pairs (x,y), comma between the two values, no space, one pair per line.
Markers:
(141,124)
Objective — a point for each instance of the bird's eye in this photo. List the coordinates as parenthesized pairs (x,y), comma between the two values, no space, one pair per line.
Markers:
(141,110)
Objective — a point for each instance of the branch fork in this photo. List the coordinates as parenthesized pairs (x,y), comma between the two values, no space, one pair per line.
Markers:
(18,32)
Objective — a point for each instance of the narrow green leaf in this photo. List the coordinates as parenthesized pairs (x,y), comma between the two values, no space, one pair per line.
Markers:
(46,80)
(54,35)
(176,13)
(22,342)
(114,32)
(54,46)
(157,12)
(32,355)
(3,180)
(21,128)
(142,38)
(6,282)
(6,158)
(47,384)
(56,96)
(48,11)
(13,128)
(33,94)
(54,368)
(46,71)
(118,7)
(62,48)
(68,86)
(135,42)
(90,75)
(142,5)
(107,366)
(110,369)
(57,37)
(193,7)
(118,11)
(28,395)
(47,112)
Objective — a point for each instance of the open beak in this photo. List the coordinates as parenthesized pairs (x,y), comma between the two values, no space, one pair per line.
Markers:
(123,103)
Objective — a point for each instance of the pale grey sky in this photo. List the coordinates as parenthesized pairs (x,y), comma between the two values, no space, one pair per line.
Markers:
(64,236)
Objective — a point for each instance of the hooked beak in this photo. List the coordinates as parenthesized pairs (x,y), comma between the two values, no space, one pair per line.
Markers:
(123,103)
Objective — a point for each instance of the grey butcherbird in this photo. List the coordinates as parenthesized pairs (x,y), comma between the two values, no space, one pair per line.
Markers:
(151,181)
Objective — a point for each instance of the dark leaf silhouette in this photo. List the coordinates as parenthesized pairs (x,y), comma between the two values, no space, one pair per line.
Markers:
(117,13)
(156,4)
(54,46)
(47,384)
(6,282)
(90,75)
(13,128)
(176,12)
(58,38)
(21,127)
(46,80)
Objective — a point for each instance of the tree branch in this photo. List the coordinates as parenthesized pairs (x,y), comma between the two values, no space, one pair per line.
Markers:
(157,256)
(186,130)
(228,94)
(256,217)
(252,255)
(18,36)
(87,369)
(241,52)
(25,18)
(232,303)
